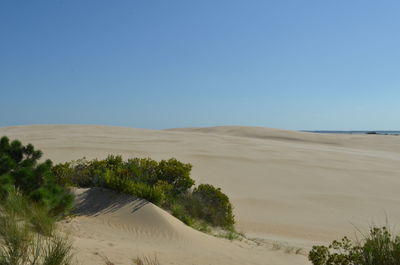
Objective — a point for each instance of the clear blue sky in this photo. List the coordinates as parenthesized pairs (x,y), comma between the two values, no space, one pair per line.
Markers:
(308,64)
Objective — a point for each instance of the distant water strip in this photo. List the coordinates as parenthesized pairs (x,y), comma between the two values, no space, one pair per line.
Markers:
(358,132)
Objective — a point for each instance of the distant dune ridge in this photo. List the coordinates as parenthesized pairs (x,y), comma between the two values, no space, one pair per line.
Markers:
(295,187)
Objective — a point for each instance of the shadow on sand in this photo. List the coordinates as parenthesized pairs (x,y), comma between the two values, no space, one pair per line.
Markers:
(96,201)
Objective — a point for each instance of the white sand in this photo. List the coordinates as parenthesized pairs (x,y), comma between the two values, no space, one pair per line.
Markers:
(294,187)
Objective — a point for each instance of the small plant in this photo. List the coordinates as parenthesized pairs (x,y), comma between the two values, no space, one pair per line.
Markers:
(288,249)
(292,249)
(298,251)
(378,247)
(146,261)
(202,226)
(277,246)
(107,261)
(230,235)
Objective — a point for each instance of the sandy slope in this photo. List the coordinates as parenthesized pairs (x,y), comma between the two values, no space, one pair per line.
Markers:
(121,227)
(295,187)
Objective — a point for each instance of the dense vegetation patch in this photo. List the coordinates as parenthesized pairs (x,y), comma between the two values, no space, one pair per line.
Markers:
(20,169)
(378,247)
(166,183)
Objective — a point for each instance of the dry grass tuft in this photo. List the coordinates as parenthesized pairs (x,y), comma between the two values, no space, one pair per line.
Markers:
(107,261)
(146,261)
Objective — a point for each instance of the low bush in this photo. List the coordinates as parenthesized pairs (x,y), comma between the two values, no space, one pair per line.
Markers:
(378,247)
(166,183)
(212,205)
(180,212)
(175,173)
(83,173)
(125,184)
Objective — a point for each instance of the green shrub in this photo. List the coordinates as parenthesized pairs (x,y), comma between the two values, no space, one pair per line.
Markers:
(64,173)
(116,182)
(153,194)
(166,190)
(120,182)
(19,168)
(81,173)
(212,205)
(157,182)
(379,247)
(175,173)
(143,170)
(180,212)
(166,183)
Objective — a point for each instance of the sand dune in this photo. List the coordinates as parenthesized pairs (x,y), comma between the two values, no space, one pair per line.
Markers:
(295,187)
(121,227)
